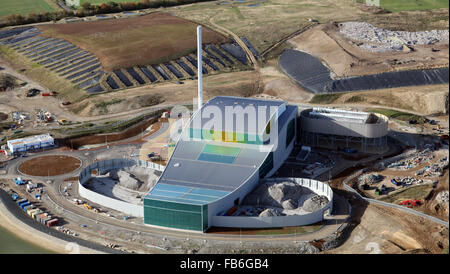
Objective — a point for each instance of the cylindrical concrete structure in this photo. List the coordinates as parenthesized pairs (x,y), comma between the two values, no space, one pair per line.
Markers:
(377,129)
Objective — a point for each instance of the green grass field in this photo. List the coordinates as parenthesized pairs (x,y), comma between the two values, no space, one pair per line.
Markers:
(403,116)
(407,5)
(96,2)
(24,7)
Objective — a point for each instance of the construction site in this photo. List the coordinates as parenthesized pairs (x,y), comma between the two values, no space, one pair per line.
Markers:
(338,135)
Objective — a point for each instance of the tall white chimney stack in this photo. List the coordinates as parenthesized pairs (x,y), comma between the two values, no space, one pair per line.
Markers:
(199,66)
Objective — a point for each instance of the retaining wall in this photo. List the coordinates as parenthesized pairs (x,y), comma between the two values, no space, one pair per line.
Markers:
(103,167)
(281,221)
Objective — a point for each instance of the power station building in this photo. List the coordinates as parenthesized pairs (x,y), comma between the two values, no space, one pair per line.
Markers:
(333,128)
(228,146)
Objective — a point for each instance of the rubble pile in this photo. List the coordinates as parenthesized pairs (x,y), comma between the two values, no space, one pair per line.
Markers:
(271,212)
(379,40)
(370,179)
(281,198)
(273,194)
(413,161)
(19,117)
(442,197)
(125,179)
(44,116)
(435,170)
(315,203)
(408,181)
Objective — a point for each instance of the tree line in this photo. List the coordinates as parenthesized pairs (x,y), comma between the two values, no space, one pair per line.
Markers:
(88,9)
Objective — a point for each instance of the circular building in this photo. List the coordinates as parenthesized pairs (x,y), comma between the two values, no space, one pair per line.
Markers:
(337,128)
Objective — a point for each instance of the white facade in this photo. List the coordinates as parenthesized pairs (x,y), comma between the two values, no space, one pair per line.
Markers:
(30,143)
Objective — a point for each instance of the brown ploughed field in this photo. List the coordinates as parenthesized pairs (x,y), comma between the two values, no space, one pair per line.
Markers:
(121,43)
(50,165)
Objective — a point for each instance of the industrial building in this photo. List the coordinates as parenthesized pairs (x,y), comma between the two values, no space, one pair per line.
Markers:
(213,168)
(30,143)
(337,128)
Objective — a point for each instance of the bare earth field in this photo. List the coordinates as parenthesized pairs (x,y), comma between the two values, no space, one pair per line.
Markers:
(345,58)
(50,165)
(121,43)
(390,231)
(425,100)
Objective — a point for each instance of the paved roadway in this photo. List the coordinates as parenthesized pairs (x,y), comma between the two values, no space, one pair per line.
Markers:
(75,213)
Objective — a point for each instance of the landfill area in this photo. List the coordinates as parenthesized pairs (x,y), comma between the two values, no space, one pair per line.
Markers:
(127,184)
(380,40)
(279,199)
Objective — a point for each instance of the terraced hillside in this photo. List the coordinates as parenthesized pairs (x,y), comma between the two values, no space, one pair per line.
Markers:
(119,53)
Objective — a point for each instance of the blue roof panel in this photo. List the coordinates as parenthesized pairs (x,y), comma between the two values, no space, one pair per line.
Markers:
(184,194)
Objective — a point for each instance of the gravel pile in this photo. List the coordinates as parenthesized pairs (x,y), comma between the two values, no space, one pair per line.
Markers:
(284,198)
(379,40)
(283,195)
(271,212)
(315,203)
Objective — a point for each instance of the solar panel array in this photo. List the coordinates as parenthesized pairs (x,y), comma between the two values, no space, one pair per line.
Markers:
(84,70)
(63,58)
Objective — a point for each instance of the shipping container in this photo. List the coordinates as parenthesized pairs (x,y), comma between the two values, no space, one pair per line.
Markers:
(44,221)
(52,222)
(36,213)
(22,205)
(41,216)
(30,206)
(45,94)
(21,201)
(29,211)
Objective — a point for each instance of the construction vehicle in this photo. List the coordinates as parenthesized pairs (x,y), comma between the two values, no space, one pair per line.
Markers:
(395,182)
(87,206)
(62,121)
(32,92)
(19,181)
(231,211)
(411,203)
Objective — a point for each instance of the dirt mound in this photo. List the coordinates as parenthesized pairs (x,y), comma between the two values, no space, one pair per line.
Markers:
(51,165)
(127,180)
(157,38)
(274,194)
(271,212)
(315,203)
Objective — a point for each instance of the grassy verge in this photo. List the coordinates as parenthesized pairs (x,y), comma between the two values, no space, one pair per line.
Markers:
(402,116)
(414,192)
(325,98)
(407,5)
(24,7)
